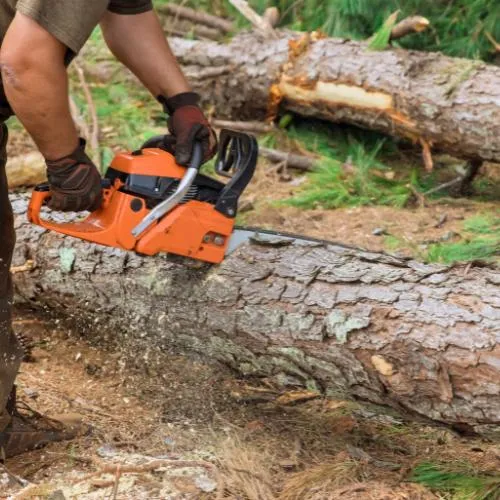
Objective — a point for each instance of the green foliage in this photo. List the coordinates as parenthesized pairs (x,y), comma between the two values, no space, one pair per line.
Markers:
(462,484)
(349,172)
(481,242)
(458,28)
(381,39)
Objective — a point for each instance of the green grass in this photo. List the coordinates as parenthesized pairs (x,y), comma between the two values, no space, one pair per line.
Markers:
(350,171)
(463,483)
(481,241)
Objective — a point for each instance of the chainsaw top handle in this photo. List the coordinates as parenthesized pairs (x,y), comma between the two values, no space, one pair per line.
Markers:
(174,199)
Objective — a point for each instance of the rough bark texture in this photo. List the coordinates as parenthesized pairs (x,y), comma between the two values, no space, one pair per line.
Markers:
(345,321)
(454,104)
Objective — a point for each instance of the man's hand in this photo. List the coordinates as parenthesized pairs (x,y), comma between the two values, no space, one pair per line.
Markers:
(139,42)
(188,124)
(75,182)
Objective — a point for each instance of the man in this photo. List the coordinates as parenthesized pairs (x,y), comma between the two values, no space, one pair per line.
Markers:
(39,39)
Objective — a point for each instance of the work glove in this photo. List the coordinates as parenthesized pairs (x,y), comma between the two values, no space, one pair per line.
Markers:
(187,124)
(75,182)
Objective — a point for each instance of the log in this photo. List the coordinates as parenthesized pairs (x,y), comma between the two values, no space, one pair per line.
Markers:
(346,322)
(26,170)
(451,104)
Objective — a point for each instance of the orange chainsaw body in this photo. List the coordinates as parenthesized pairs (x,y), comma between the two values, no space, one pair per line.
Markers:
(192,228)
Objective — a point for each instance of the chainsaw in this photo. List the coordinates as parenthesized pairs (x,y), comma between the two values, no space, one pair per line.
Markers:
(151,204)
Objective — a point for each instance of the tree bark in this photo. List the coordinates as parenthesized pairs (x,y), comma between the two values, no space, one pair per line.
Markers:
(347,322)
(452,104)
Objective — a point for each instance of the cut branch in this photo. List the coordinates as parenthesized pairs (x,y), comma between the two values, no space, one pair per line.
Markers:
(289,160)
(408,26)
(453,104)
(339,320)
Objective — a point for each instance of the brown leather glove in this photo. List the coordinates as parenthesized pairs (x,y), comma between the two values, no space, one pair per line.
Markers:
(75,182)
(188,124)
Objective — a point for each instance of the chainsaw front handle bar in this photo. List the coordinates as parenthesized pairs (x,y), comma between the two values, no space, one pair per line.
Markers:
(172,201)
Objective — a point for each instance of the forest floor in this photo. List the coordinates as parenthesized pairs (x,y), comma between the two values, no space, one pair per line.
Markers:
(196,431)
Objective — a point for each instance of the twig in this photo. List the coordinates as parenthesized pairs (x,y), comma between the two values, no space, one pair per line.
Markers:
(427,155)
(94,134)
(257,127)
(196,16)
(150,466)
(117,481)
(458,180)
(257,21)
(29,265)
(489,36)
(291,160)
(412,24)
(81,124)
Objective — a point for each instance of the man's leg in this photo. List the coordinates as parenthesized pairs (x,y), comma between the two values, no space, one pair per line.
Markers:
(11,352)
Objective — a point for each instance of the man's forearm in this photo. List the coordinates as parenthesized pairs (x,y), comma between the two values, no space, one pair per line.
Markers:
(36,85)
(139,43)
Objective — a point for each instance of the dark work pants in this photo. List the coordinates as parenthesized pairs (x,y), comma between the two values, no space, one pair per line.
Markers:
(10,350)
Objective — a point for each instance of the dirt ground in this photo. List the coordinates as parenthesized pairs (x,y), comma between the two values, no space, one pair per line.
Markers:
(368,227)
(196,431)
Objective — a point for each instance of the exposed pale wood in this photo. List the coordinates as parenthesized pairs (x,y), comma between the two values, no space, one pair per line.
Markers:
(453,104)
(342,321)
(26,170)
(197,16)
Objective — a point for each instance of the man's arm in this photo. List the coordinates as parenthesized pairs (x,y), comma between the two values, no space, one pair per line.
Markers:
(139,43)
(36,85)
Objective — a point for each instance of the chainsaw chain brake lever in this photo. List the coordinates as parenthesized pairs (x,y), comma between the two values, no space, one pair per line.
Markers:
(173,200)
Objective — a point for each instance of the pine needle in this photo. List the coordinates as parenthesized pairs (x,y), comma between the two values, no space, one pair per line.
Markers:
(464,485)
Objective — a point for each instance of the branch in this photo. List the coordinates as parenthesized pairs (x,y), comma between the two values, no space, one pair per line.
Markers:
(183,28)
(496,45)
(94,135)
(195,16)
(257,21)
(256,127)
(412,24)
(290,160)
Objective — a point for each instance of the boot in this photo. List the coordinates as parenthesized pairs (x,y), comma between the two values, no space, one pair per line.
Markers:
(29,430)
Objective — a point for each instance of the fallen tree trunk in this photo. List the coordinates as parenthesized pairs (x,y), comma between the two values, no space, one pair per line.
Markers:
(347,322)
(451,104)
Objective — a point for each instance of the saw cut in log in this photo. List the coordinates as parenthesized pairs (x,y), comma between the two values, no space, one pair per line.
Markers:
(451,104)
(343,321)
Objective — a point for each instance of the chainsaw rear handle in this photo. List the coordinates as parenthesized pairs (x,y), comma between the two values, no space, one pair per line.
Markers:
(41,194)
